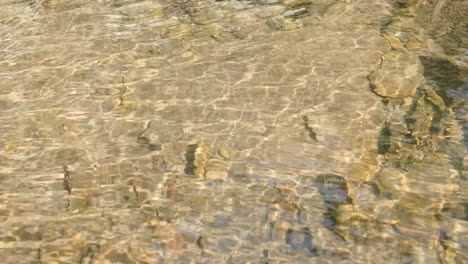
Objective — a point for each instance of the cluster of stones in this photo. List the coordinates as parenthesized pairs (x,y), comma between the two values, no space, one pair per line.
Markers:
(420,144)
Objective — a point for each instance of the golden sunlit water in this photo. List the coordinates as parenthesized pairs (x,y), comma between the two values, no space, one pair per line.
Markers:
(202,131)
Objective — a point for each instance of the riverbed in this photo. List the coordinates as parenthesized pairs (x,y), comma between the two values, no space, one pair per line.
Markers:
(191,131)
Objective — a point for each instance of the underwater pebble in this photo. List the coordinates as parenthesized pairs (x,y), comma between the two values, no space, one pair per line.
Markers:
(294,2)
(224,154)
(269,2)
(412,44)
(294,12)
(394,42)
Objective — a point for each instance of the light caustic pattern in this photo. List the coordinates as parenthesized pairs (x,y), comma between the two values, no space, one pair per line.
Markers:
(202,132)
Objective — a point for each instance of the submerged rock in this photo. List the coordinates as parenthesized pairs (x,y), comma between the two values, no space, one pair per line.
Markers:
(224,154)
(216,170)
(268,2)
(434,98)
(197,157)
(412,44)
(298,239)
(399,75)
(295,12)
(394,42)
(283,23)
(295,2)
(333,189)
(334,192)
(445,75)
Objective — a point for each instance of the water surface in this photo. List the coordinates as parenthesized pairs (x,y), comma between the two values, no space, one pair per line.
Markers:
(225,132)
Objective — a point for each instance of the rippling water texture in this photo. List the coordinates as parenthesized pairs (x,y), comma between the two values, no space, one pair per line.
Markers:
(224,132)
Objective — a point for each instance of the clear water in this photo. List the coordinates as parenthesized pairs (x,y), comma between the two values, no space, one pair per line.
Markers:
(226,132)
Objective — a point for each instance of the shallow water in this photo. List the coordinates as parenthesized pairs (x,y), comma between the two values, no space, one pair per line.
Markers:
(226,132)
